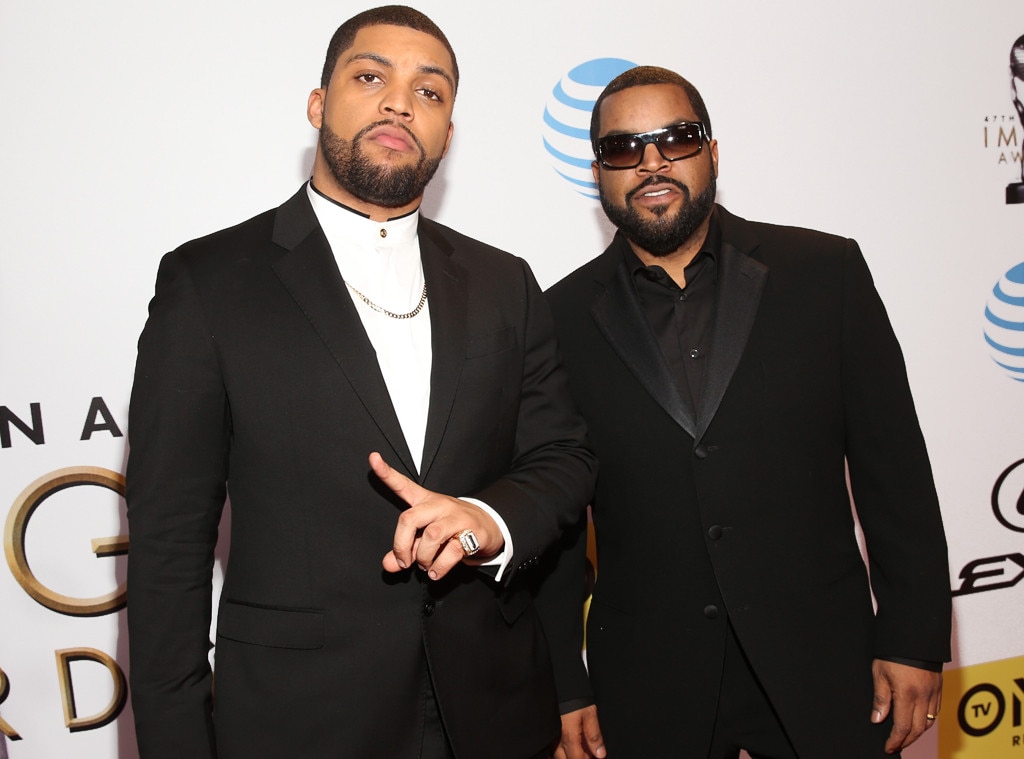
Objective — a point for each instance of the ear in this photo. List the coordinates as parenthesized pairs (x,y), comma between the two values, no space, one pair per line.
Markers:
(597,172)
(713,149)
(315,107)
(448,139)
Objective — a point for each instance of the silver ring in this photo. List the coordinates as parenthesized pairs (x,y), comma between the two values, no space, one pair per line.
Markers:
(467,539)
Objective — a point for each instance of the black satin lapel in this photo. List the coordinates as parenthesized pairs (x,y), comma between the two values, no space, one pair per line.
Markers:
(619,316)
(741,280)
(448,302)
(310,273)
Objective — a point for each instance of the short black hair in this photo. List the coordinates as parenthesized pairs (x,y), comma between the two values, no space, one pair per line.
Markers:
(386,15)
(637,77)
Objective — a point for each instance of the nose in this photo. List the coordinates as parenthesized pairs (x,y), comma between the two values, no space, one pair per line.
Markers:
(652,161)
(396,102)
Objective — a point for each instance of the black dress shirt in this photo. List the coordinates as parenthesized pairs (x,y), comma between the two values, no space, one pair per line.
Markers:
(681,317)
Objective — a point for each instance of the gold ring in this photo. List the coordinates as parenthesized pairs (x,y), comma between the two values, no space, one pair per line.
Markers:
(929,716)
(467,539)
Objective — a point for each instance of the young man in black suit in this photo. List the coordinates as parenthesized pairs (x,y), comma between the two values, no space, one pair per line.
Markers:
(344,369)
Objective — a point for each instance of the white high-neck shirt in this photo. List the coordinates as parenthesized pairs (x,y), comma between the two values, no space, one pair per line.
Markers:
(381,259)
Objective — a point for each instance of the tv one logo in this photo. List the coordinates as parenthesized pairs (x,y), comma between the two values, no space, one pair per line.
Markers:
(984,708)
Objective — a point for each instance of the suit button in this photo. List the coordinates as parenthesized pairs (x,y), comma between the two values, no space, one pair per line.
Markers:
(700,452)
(428,608)
(711,611)
(715,532)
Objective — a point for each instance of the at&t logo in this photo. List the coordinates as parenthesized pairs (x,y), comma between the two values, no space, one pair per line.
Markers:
(1004,322)
(567,120)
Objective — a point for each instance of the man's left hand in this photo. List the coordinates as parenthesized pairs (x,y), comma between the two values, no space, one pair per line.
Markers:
(581,736)
(427,531)
(913,694)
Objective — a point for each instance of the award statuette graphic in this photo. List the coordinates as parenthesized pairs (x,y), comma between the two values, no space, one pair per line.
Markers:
(1015,190)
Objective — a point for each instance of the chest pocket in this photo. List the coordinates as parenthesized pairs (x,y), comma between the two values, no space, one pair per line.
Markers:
(490,343)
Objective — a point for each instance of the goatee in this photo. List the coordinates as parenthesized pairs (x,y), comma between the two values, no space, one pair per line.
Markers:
(379,185)
(664,234)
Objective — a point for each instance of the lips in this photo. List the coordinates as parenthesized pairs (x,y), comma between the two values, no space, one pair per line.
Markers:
(655,191)
(393,137)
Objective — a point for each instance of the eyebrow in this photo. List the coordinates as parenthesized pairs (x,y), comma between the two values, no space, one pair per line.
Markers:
(389,64)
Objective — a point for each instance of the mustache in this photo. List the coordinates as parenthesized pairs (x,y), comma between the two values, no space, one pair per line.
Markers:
(387,122)
(653,180)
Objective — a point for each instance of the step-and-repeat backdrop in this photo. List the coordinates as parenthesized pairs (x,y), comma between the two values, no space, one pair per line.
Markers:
(130,127)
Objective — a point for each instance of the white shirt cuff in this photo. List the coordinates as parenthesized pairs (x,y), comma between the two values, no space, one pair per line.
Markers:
(501,561)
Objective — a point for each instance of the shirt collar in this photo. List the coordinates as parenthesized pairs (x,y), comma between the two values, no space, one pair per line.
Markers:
(343,223)
(710,249)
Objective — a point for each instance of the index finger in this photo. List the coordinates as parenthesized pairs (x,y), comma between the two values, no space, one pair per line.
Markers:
(397,482)
(400,555)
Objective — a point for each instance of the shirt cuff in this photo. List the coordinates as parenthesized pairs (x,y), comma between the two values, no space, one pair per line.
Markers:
(501,561)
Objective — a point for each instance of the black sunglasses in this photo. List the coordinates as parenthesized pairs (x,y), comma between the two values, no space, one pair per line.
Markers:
(626,151)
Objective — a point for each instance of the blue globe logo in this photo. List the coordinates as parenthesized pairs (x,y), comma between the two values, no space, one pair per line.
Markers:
(1004,331)
(567,120)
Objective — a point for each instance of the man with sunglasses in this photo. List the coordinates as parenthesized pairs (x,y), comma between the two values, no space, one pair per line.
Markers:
(730,372)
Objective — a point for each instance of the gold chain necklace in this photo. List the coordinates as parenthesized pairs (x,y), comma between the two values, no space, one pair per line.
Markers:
(382,310)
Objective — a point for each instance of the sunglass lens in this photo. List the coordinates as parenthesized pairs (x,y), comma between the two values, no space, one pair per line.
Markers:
(621,150)
(680,141)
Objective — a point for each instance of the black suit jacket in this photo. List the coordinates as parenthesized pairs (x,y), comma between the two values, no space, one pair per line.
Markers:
(256,378)
(739,509)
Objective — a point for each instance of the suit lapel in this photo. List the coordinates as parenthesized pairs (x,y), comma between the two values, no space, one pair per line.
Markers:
(310,273)
(620,317)
(741,280)
(448,303)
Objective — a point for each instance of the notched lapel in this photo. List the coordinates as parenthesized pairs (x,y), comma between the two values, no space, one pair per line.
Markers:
(449,303)
(619,316)
(741,280)
(310,274)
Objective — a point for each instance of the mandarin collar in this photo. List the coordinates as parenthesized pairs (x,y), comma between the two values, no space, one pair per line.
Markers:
(348,224)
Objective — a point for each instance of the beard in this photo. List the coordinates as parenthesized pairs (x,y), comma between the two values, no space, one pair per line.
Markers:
(379,185)
(665,234)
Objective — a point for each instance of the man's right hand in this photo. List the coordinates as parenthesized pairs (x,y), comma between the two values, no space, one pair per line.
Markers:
(426,531)
(581,736)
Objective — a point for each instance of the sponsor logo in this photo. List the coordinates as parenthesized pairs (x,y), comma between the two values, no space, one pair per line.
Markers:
(1004,322)
(1008,497)
(987,722)
(567,120)
(1004,570)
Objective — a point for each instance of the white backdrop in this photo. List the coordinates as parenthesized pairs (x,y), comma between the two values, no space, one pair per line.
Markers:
(129,128)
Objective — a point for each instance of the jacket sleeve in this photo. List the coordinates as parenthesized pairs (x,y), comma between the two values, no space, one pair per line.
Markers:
(179,432)
(553,471)
(891,479)
(559,598)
